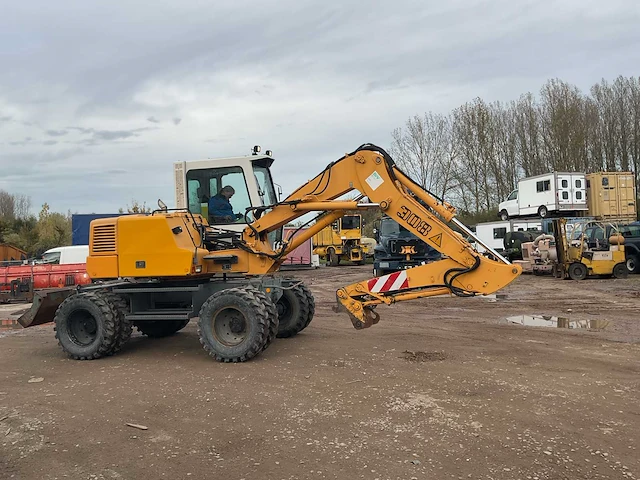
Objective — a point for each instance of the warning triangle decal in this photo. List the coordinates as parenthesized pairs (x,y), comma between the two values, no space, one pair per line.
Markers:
(437,239)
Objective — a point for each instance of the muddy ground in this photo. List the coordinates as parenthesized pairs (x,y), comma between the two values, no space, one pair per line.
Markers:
(439,389)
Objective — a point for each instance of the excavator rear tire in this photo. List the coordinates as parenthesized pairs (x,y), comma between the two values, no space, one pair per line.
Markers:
(86,326)
(312,305)
(295,310)
(125,327)
(160,328)
(236,324)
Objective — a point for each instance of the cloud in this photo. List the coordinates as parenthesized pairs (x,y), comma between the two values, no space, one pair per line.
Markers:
(176,121)
(99,136)
(57,133)
(26,141)
(153,120)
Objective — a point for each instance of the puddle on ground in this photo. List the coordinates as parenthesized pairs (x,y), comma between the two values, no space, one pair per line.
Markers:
(558,322)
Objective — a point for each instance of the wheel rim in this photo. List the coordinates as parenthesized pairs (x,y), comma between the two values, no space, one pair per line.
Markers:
(83,328)
(631,264)
(230,326)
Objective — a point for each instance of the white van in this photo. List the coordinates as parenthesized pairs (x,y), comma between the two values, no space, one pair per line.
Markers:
(543,194)
(65,255)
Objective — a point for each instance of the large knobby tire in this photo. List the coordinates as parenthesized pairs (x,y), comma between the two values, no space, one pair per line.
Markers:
(160,328)
(620,271)
(273,315)
(125,327)
(86,326)
(293,310)
(578,271)
(312,305)
(236,324)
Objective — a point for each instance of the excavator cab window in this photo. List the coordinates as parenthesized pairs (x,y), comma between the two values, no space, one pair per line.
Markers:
(265,185)
(202,184)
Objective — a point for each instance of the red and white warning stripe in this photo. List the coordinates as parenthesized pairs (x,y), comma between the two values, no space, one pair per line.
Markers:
(389,283)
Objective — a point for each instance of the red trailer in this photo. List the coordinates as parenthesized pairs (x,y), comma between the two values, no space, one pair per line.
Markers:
(301,256)
(17,282)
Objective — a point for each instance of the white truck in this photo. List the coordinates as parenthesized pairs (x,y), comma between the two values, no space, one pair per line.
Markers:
(543,194)
(493,233)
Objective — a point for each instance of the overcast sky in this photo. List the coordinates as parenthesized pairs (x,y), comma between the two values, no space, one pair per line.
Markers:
(115,92)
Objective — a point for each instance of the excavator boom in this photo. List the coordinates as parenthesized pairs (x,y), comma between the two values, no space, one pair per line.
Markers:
(463,271)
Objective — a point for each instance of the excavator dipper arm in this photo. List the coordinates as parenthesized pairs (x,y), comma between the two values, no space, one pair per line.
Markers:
(463,271)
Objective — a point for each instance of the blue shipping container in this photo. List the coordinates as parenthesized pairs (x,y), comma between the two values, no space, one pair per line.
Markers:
(80,224)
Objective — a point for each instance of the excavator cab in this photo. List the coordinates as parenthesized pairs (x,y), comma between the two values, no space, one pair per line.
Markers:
(196,182)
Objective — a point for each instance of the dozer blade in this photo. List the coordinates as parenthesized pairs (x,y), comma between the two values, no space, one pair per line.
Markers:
(44,306)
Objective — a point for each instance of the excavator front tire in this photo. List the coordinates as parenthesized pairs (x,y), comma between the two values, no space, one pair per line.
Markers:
(236,324)
(87,326)
(125,327)
(296,308)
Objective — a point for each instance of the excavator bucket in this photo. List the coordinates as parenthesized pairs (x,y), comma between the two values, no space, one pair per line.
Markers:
(44,306)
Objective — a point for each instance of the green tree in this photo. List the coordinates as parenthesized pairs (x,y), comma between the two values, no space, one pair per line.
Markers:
(53,229)
(136,207)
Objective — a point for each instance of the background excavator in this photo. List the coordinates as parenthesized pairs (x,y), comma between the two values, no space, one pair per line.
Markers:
(157,271)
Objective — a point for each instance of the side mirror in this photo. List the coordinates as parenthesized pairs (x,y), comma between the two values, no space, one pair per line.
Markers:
(162,205)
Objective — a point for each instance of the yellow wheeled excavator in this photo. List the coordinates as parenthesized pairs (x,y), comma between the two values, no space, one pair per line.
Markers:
(157,271)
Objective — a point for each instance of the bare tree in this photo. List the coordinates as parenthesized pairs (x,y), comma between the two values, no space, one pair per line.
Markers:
(7,206)
(603,96)
(471,133)
(528,135)
(561,119)
(476,154)
(22,206)
(622,108)
(424,150)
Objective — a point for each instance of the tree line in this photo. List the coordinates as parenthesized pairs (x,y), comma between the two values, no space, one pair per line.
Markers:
(473,156)
(20,228)
(35,234)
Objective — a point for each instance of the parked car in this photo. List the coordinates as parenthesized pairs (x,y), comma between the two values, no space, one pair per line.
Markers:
(65,255)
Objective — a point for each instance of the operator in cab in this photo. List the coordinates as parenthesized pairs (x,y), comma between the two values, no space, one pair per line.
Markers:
(220,209)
